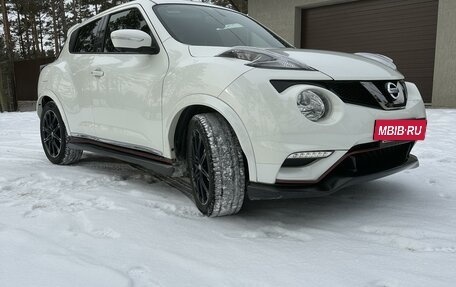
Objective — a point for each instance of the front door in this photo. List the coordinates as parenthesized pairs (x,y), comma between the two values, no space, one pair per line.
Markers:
(127,106)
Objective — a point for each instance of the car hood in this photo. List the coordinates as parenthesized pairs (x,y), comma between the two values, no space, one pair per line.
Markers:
(339,66)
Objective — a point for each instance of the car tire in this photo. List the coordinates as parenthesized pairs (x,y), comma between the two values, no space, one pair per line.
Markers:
(54,137)
(216,166)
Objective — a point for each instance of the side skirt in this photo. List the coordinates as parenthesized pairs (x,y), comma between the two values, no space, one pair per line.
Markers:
(146,160)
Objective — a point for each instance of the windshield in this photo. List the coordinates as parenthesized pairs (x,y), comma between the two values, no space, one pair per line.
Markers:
(208,26)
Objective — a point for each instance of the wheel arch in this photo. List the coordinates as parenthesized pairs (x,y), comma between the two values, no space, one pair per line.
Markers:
(177,123)
(46,97)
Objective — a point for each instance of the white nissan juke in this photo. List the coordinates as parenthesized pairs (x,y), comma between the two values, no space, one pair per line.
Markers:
(193,90)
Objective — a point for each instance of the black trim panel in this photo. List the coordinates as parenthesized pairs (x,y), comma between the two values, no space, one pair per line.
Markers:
(299,162)
(147,160)
(331,184)
(356,150)
(352,92)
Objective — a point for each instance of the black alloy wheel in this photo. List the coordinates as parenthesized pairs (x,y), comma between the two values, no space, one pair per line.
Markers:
(52,134)
(200,168)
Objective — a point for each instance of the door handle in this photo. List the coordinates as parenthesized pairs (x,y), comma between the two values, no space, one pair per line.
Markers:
(97,73)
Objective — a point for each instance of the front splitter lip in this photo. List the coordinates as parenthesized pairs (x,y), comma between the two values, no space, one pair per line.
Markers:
(260,191)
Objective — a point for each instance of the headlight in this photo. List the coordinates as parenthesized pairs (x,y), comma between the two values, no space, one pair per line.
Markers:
(262,58)
(312,105)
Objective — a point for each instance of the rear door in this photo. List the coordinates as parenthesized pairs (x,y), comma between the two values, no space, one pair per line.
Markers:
(127,105)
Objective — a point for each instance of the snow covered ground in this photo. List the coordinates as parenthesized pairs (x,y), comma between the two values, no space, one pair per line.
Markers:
(103,223)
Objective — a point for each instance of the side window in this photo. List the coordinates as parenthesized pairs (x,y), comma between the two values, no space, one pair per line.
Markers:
(129,19)
(86,41)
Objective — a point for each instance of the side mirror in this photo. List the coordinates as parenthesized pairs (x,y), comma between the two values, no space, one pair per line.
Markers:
(135,41)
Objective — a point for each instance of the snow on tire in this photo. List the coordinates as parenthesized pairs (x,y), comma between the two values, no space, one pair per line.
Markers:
(216,166)
(54,137)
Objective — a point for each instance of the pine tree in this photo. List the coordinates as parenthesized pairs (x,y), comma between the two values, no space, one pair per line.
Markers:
(6,29)
(3,52)
(3,59)
(238,5)
(63,19)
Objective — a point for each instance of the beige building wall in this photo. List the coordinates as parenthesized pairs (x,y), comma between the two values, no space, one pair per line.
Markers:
(284,18)
(444,93)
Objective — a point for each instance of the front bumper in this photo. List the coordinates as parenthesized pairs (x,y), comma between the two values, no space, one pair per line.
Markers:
(329,185)
(361,163)
(277,129)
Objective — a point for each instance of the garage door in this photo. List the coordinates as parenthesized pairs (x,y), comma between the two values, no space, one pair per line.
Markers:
(403,30)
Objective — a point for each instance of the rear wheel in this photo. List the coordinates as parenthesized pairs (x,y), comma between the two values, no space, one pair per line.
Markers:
(54,137)
(216,166)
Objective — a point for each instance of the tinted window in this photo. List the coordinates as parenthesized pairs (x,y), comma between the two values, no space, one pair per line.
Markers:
(208,26)
(86,42)
(129,19)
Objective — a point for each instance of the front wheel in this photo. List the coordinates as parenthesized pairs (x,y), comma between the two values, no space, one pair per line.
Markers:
(216,166)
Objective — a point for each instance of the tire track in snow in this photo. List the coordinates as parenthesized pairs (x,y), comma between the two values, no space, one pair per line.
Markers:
(82,225)
(141,277)
(46,256)
(410,239)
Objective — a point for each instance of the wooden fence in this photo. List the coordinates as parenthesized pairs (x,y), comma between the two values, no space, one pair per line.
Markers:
(26,75)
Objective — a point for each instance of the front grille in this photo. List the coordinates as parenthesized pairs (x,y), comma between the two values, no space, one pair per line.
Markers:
(373,160)
(372,94)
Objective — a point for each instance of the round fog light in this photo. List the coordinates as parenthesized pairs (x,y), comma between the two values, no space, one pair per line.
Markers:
(311,105)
